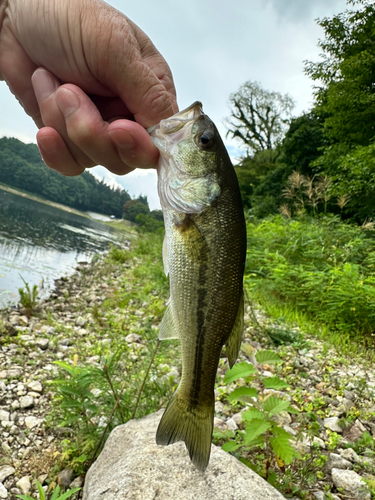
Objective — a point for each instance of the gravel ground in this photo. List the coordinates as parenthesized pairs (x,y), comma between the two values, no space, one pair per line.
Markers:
(338,391)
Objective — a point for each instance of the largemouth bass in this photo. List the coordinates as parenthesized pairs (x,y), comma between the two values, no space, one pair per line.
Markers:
(204,254)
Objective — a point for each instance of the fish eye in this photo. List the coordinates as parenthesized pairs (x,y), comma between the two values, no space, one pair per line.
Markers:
(205,141)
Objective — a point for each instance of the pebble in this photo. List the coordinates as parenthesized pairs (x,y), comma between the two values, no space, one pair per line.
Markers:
(3,491)
(332,424)
(355,431)
(65,477)
(350,454)
(24,484)
(337,462)
(26,402)
(4,415)
(42,344)
(32,422)
(6,471)
(351,484)
(35,386)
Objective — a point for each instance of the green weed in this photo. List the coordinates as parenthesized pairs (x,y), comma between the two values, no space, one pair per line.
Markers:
(55,494)
(322,268)
(260,429)
(28,297)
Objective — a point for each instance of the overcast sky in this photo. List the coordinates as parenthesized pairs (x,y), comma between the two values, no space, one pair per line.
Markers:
(212,47)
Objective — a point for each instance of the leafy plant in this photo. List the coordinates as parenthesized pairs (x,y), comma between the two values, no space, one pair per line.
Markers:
(28,297)
(55,495)
(323,268)
(260,429)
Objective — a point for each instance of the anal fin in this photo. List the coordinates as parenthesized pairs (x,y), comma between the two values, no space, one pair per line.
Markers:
(233,343)
(168,328)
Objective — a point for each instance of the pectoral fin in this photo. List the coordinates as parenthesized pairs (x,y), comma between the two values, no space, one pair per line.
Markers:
(234,341)
(168,328)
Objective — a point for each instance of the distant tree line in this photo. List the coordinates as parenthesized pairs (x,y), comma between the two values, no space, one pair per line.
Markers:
(325,158)
(22,167)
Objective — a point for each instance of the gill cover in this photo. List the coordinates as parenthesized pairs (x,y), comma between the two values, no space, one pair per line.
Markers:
(187,181)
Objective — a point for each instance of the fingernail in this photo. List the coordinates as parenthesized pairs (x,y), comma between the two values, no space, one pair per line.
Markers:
(67,101)
(48,144)
(44,84)
(121,139)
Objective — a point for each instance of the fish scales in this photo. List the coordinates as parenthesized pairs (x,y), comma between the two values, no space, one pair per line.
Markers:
(204,253)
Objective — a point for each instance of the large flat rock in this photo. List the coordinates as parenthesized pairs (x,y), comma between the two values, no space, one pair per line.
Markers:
(133,467)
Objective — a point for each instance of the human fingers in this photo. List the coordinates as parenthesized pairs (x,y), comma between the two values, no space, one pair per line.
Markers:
(55,152)
(56,145)
(87,130)
(12,58)
(83,130)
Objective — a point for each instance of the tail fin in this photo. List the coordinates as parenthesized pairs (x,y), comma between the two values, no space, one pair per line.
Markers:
(192,424)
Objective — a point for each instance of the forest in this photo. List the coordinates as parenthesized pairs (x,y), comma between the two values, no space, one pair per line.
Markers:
(308,185)
(22,167)
(324,159)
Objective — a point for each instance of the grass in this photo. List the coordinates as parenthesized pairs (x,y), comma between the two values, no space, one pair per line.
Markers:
(319,270)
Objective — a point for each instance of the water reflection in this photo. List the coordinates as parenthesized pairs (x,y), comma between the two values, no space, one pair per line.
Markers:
(41,243)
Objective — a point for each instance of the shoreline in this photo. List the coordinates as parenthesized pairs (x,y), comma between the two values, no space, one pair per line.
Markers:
(111,222)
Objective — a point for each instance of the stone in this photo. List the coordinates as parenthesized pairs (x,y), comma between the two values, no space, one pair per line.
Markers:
(282,418)
(350,454)
(331,423)
(42,344)
(355,431)
(77,483)
(6,471)
(337,462)
(132,337)
(32,422)
(4,415)
(231,424)
(351,483)
(319,495)
(26,402)
(24,485)
(34,385)
(220,424)
(133,466)
(3,491)
(80,321)
(65,477)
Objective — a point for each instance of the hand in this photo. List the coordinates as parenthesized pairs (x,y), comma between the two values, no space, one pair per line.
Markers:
(91,80)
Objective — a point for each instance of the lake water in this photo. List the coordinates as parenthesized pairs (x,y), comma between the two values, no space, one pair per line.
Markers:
(42,243)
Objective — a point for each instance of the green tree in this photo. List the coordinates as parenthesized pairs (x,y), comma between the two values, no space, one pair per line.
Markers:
(259,118)
(133,208)
(346,75)
(345,100)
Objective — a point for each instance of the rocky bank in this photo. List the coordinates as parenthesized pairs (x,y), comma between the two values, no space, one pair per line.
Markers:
(337,391)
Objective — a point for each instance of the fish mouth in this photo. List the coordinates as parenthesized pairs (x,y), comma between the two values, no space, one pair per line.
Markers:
(179,120)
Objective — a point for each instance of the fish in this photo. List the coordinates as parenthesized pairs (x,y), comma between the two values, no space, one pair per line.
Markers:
(204,254)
